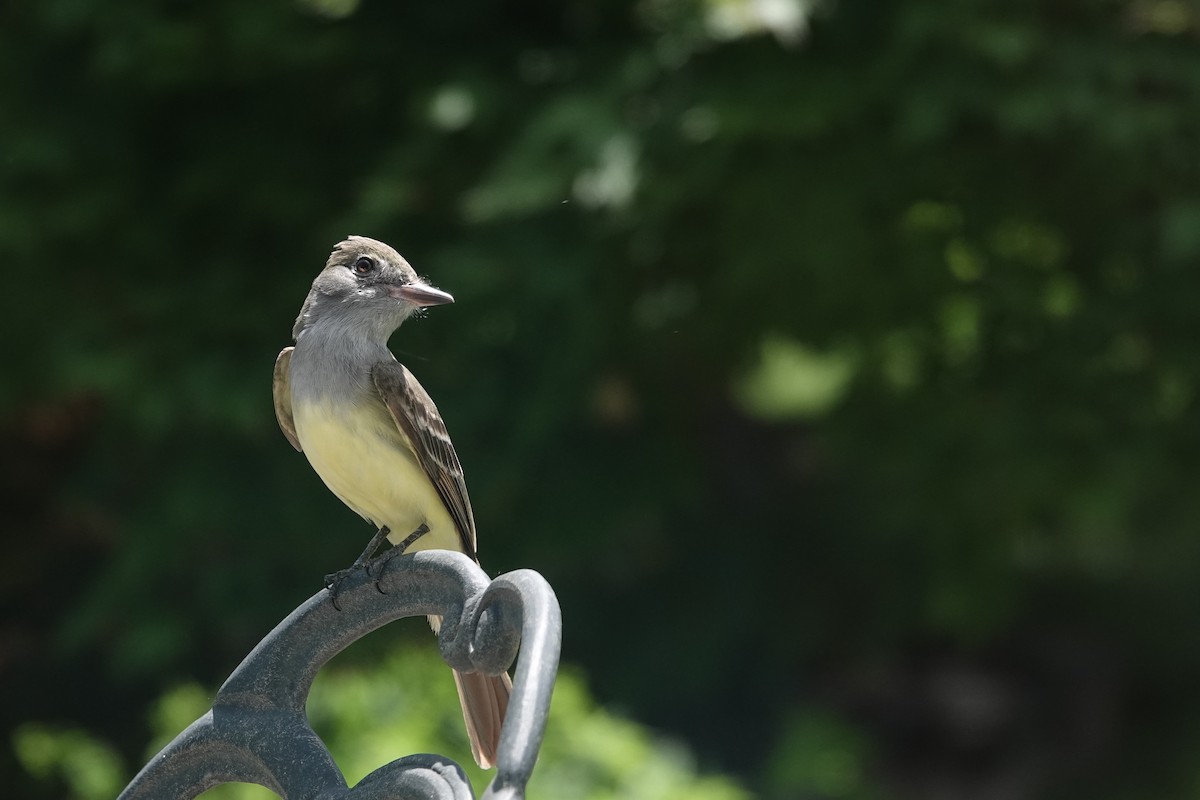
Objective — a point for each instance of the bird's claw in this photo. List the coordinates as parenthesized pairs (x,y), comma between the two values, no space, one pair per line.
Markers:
(333,584)
(334,580)
(375,568)
(398,550)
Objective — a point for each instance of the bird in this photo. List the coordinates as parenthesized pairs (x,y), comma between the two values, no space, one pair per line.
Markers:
(373,434)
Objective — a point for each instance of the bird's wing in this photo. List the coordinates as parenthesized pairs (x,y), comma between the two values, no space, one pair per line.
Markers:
(281,390)
(419,421)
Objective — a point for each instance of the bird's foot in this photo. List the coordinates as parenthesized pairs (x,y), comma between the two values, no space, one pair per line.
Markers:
(396,550)
(334,580)
(333,584)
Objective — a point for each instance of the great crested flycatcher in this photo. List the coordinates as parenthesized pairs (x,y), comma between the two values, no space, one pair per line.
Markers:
(373,434)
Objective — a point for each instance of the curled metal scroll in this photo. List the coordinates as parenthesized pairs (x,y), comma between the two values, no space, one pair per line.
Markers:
(257,730)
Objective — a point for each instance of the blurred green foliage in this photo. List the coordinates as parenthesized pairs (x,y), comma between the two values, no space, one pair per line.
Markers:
(404,704)
(837,363)
(88,769)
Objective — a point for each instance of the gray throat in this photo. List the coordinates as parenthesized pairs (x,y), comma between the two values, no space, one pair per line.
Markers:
(333,360)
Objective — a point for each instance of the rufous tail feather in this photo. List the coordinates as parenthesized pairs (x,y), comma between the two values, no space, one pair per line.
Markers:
(484,700)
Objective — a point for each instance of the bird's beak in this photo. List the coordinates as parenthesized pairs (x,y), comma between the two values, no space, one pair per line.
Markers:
(420,295)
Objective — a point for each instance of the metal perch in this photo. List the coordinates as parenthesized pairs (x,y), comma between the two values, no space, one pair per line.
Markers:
(257,730)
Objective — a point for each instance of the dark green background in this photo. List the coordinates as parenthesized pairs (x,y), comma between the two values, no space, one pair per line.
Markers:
(848,376)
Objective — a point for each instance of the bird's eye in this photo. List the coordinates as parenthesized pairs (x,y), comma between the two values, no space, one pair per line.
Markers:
(363,265)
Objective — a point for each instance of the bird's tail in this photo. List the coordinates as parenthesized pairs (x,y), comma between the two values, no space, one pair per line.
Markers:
(484,700)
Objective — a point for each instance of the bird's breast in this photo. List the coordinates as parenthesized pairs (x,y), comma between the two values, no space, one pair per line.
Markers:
(361,456)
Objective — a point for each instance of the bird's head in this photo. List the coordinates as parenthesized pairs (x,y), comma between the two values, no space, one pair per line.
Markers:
(368,286)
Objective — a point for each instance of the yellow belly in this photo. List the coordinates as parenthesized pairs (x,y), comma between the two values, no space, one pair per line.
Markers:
(362,458)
